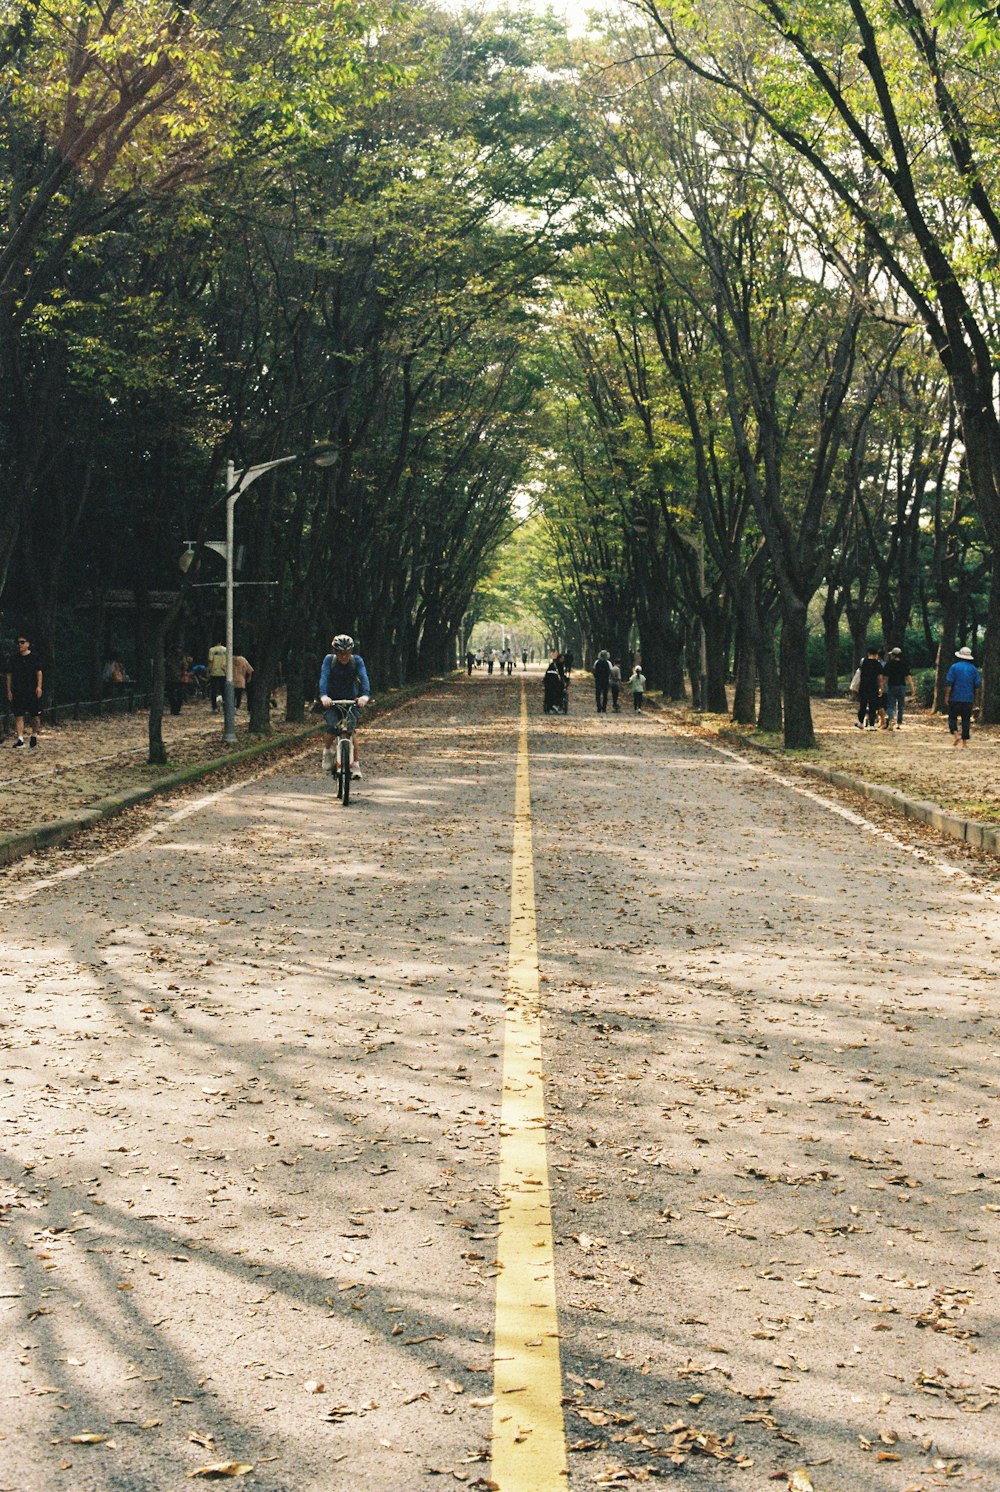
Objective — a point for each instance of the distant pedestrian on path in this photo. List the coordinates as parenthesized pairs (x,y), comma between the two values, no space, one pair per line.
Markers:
(216,672)
(114,676)
(524,657)
(176,677)
(616,684)
(871,670)
(24,691)
(897,683)
(553,686)
(602,680)
(963,682)
(470,659)
(637,683)
(242,674)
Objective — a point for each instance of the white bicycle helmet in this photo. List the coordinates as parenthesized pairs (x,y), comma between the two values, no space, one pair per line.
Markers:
(342,643)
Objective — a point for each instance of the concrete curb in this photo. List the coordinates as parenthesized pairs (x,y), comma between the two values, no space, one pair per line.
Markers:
(973,832)
(41,836)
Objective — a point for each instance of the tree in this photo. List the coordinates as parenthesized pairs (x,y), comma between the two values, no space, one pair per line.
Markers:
(877,97)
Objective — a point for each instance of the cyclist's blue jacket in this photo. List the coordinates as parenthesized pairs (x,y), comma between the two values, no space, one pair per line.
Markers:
(343,681)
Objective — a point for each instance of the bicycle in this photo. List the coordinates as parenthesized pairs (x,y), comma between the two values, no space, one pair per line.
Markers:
(348,715)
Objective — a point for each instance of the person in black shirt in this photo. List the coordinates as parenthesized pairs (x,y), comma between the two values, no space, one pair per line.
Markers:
(24,691)
(872,670)
(554,685)
(897,681)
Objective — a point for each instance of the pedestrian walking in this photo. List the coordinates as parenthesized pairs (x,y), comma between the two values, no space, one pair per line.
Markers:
(897,683)
(176,677)
(553,686)
(637,683)
(114,677)
(216,671)
(470,659)
(489,660)
(602,680)
(615,681)
(24,691)
(963,682)
(567,660)
(871,670)
(509,660)
(524,657)
(242,674)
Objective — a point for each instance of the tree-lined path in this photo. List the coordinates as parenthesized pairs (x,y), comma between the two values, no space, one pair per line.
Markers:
(251,1107)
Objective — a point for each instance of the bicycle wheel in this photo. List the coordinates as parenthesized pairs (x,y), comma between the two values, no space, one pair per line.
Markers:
(335,770)
(344,758)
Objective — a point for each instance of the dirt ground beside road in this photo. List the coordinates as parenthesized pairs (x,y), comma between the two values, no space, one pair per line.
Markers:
(82,761)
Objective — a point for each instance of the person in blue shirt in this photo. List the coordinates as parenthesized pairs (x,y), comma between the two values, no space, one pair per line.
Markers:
(343,676)
(963,682)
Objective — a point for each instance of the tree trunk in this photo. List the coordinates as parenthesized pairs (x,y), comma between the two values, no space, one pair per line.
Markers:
(925,615)
(660,646)
(769,715)
(758,626)
(831,645)
(990,713)
(692,657)
(157,749)
(263,680)
(946,647)
(295,684)
(799,733)
(745,693)
(715,665)
(859,636)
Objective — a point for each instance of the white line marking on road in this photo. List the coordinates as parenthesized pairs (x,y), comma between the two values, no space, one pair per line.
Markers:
(953,872)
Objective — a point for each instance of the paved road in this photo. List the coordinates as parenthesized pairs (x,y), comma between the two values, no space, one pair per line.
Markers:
(251,1106)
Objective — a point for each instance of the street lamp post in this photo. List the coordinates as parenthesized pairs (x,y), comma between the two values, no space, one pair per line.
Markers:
(237,483)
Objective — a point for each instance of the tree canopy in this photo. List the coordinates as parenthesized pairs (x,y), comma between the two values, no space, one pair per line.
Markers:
(681,337)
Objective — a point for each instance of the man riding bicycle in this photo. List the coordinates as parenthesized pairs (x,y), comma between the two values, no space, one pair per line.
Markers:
(343,676)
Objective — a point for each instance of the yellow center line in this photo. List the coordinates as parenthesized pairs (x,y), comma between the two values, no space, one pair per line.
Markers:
(529,1440)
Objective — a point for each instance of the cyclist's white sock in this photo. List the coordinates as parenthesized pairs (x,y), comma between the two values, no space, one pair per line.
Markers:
(327,758)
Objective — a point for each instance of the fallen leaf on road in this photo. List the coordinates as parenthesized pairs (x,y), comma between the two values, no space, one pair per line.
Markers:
(223,1468)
